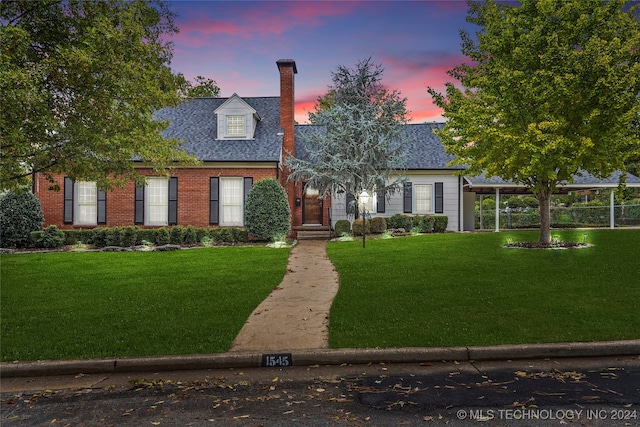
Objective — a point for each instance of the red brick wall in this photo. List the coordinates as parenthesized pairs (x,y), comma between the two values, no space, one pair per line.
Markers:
(193,196)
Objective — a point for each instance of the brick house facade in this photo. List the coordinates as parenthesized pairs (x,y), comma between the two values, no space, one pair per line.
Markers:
(242,140)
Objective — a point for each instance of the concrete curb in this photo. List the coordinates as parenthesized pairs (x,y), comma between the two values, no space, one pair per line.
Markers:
(321,357)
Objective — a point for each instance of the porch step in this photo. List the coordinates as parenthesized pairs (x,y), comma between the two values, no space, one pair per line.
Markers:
(314,235)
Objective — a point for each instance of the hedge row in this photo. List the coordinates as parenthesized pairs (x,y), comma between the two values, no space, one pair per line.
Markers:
(132,236)
(423,223)
(377,225)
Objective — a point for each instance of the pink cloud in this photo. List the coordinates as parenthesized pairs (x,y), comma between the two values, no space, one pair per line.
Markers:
(271,18)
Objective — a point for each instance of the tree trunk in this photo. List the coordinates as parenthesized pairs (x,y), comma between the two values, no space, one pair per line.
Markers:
(544,198)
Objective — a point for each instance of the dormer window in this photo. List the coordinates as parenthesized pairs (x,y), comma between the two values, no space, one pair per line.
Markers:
(235,126)
(236,119)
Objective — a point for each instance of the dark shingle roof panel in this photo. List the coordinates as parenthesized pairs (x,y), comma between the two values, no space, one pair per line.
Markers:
(195,122)
(424,147)
(582,180)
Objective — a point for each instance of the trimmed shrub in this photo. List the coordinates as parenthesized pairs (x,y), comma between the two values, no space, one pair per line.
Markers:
(440,223)
(72,237)
(224,235)
(52,237)
(36,238)
(267,211)
(378,225)
(356,227)
(99,237)
(129,236)
(214,233)
(190,237)
(20,214)
(176,235)
(147,235)
(113,236)
(162,236)
(427,223)
(342,227)
(239,235)
(201,233)
(400,221)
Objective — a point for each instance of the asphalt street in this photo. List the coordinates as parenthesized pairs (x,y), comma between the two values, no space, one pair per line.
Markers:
(587,392)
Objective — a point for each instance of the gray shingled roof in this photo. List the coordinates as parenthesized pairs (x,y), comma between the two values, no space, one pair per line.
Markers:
(195,122)
(424,146)
(582,180)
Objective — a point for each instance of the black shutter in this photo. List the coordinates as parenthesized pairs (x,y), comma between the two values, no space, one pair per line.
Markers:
(214,200)
(408,197)
(173,201)
(380,203)
(138,215)
(439,197)
(102,206)
(248,184)
(68,200)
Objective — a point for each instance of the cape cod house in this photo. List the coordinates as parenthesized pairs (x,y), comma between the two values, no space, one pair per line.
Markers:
(240,140)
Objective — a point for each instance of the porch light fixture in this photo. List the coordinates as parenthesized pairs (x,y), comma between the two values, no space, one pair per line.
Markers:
(364,200)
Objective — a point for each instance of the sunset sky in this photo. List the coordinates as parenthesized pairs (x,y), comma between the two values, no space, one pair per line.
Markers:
(237,43)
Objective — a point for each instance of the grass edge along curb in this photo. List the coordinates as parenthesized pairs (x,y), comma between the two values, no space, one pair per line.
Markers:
(321,357)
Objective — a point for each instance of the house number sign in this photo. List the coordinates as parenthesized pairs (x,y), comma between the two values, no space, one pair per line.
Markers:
(274,360)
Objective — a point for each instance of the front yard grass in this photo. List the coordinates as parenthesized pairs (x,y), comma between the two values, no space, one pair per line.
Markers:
(465,289)
(97,304)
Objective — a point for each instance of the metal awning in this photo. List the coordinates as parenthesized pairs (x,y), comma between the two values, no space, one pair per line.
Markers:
(584,181)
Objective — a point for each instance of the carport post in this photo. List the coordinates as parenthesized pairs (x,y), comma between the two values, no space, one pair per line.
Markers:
(612,211)
(497,209)
(481,200)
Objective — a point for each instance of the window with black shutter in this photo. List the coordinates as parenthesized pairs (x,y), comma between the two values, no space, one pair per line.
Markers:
(214,201)
(407,197)
(68,201)
(439,197)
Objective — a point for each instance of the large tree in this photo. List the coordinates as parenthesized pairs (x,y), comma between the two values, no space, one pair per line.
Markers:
(552,91)
(79,83)
(355,146)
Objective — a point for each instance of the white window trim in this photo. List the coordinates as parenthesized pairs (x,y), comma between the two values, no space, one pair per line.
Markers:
(431,207)
(223,220)
(78,206)
(148,205)
(242,133)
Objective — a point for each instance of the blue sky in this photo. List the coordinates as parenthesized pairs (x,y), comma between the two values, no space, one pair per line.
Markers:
(237,44)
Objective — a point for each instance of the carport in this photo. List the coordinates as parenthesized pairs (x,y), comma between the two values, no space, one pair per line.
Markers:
(481,185)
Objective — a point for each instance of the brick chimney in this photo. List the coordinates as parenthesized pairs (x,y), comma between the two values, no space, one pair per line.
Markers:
(288,69)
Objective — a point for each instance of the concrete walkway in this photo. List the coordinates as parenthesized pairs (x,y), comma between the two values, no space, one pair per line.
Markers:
(295,316)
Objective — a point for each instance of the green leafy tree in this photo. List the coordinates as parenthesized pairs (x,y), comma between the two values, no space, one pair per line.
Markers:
(80,81)
(552,90)
(355,146)
(202,88)
(267,213)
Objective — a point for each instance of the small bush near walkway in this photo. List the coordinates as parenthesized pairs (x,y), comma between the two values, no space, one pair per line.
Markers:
(267,214)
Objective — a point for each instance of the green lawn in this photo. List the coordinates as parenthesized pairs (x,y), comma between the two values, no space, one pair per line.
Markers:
(464,289)
(80,305)
(430,290)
